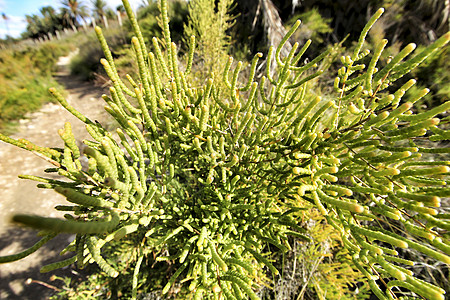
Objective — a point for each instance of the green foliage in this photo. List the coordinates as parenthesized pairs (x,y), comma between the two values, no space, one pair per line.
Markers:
(209,22)
(211,179)
(399,24)
(335,276)
(150,24)
(433,74)
(86,63)
(47,23)
(314,26)
(45,57)
(25,77)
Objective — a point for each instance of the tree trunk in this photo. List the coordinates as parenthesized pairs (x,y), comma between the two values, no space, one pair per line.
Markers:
(119,18)
(105,21)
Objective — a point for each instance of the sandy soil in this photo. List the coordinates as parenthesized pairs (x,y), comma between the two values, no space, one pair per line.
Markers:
(22,196)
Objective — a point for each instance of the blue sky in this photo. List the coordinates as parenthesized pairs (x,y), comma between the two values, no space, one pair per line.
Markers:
(16,10)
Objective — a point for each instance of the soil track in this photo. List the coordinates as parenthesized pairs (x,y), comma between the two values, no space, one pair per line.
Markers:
(22,196)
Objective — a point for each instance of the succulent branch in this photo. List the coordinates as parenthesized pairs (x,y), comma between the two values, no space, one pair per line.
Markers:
(214,174)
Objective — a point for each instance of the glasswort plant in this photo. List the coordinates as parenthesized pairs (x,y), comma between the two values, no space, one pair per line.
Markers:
(210,177)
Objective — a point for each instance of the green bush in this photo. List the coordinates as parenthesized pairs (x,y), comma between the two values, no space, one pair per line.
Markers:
(212,181)
(314,27)
(47,55)
(209,21)
(150,24)
(25,77)
(86,64)
(433,74)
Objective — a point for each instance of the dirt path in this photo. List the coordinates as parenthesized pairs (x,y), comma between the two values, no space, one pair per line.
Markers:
(22,196)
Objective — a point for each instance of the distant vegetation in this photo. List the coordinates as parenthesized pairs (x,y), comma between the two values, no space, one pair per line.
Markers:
(87,63)
(25,77)
(74,14)
(26,64)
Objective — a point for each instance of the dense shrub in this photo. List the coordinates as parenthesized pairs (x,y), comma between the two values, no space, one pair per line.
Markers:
(87,63)
(217,182)
(25,77)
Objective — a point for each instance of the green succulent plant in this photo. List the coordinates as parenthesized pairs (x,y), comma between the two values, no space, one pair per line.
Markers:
(210,177)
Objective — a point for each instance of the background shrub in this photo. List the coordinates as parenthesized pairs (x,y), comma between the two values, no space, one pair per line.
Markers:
(25,77)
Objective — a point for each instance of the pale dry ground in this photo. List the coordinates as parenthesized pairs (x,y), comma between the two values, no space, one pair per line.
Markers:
(22,196)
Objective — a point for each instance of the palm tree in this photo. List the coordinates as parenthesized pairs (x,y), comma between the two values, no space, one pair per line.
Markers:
(66,18)
(49,20)
(75,9)
(34,26)
(99,11)
(47,12)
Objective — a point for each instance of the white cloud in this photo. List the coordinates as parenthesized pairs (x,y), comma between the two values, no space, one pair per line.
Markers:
(2,5)
(16,25)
